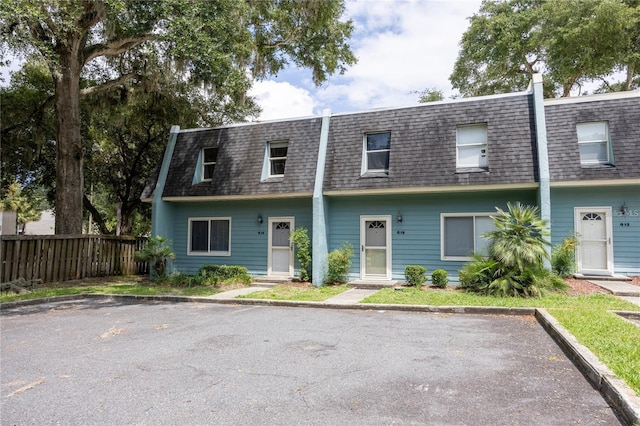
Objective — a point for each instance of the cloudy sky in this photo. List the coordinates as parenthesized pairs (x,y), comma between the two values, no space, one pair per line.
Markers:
(401,46)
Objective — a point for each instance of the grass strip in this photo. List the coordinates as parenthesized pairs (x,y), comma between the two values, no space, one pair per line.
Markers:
(119,288)
(292,292)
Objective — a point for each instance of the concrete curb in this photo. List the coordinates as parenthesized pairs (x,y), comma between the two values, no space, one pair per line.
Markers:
(615,391)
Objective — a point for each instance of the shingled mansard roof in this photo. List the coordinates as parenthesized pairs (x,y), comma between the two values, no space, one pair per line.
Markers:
(621,110)
(423,148)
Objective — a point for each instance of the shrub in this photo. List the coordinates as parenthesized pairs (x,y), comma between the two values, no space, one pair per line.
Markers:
(515,265)
(563,260)
(222,274)
(439,278)
(415,275)
(300,238)
(339,264)
(177,279)
(156,252)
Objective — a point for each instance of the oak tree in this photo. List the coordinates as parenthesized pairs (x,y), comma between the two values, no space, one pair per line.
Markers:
(571,42)
(211,43)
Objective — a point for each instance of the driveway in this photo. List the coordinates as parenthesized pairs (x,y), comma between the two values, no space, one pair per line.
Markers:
(113,362)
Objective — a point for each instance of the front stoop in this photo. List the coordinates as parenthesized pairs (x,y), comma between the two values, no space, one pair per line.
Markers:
(266,281)
(614,277)
(371,284)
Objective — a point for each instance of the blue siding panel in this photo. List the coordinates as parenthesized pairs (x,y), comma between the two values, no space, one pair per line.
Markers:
(249,240)
(626,229)
(415,241)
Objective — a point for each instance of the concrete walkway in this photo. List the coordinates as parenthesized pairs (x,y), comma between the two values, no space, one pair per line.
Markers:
(626,291)
(349,297)
(232,294)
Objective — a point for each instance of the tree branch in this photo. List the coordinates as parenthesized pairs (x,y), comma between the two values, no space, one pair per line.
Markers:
(95,214)
(115,47)
(107,85)
(37,111)
(92,14)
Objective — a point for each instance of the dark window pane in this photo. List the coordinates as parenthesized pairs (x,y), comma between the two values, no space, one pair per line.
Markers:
(277,167)
(378,160)
(210,155)
(458,236)
(278,151)
(208,171)
(378,141)
(219,235)
(199,235)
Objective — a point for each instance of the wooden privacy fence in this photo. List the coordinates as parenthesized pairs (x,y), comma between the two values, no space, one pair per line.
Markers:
(51,258)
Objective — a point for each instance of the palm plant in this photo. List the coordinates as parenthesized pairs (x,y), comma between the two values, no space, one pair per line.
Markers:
(515,265)
(157,252)
(518,241)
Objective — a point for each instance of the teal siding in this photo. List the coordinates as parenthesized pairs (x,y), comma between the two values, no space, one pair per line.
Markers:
(415,241)
(626,239)
(249,240)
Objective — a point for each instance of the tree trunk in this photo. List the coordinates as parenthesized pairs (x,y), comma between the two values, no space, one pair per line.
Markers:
(69,155)
(630,75)
(124,213)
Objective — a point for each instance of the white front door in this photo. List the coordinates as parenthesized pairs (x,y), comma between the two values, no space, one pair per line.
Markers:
(594,255)
(375,247)
(280,262)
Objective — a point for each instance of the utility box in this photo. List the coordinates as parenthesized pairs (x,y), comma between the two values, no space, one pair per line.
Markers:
(8,223)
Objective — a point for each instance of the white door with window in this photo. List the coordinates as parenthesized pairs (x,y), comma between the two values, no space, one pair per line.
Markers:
(594,255)
(375,247)
(280,259)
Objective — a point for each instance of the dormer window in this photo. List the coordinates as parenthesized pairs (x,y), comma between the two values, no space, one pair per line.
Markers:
(209,156)
(277,152)
(375,158)
(593,143)
(471,146)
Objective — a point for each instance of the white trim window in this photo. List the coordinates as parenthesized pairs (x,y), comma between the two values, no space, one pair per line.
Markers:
(209,157)
(471,146)
(209,236)
(461,235)
(593,142)
(277,154)
(376,150)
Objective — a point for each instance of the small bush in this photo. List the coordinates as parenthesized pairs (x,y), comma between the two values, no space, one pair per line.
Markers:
(224,274)
(300,238)
(178,279)
(339,264)
(563,260)
(415,275)
(439,278)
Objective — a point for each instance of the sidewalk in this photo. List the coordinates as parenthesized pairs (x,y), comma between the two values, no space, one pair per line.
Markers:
(349,297)
(626,291)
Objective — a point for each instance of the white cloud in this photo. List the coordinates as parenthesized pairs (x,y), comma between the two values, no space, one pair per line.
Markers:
(401,46)
(282,99)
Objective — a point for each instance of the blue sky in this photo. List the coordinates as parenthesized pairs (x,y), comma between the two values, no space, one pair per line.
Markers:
(401,46)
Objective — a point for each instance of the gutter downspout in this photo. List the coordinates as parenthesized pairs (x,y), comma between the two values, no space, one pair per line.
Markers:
(544,191)
(319,239)
(160,209)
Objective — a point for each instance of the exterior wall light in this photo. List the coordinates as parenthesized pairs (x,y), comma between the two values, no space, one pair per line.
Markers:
(399,218)
(259,219)
(624,210)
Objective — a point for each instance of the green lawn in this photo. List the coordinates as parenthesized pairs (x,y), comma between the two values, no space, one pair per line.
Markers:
(292,292)
(120,285)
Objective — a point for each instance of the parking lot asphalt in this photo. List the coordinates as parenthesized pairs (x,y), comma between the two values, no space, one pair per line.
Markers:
(102,361)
